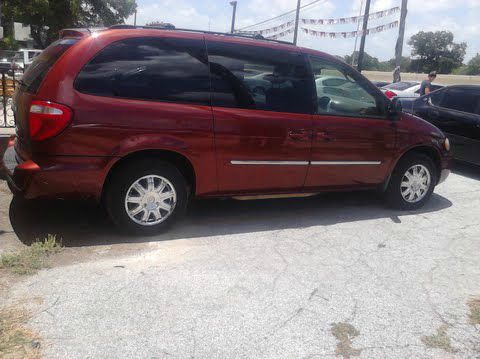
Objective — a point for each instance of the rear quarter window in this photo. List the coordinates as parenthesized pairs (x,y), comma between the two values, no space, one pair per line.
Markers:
(42,63)
(161,69)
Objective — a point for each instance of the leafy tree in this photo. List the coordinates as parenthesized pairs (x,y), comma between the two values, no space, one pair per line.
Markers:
(47,17)
(370,63)
(473,66)
(160,24)
(436,51)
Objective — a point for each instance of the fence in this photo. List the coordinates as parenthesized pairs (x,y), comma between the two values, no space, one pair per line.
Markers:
(7,88)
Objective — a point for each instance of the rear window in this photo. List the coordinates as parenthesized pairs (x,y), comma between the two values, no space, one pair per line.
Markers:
(400,86)
(42,63)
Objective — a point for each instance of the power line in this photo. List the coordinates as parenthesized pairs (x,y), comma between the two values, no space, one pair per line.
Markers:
(281,15)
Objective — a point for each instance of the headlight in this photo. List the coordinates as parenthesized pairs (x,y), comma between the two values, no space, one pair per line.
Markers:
(446,144)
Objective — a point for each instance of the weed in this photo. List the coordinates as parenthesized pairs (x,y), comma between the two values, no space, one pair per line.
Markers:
(345,332)
(441,340)
(30,259)
(16,341)
(474,315)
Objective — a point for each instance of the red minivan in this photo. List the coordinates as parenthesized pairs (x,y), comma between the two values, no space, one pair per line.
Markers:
(144,119)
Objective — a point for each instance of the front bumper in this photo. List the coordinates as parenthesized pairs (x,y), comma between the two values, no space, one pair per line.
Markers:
(443,175)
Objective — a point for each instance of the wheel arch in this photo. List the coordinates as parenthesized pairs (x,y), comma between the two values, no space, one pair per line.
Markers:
(182,163)
(427,150)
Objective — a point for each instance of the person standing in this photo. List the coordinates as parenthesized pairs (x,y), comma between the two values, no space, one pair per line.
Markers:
(396,75)
(426,86)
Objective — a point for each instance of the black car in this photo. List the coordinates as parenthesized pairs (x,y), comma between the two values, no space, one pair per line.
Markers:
(456,111)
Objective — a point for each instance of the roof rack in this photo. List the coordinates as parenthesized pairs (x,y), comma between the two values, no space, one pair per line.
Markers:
(171,27)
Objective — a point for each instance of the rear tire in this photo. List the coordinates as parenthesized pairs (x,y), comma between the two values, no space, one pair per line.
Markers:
(412,182)
(146,197)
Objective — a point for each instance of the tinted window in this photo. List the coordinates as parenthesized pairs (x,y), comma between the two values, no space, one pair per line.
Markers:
(400,86)
(42,63)
(254,77)
(173,70)
(342,91)
(465,100)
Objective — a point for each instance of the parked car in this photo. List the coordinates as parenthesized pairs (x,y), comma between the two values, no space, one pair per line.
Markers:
(22,59)
(405,89)
(381,83)
(456,111)
(144,119)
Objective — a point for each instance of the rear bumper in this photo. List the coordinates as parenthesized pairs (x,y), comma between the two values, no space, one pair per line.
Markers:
(55,176)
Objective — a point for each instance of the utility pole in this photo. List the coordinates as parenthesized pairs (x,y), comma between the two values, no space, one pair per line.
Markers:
(234,4)
(297,16)
(356,36)
(135,18)
(401,33)
(364,34)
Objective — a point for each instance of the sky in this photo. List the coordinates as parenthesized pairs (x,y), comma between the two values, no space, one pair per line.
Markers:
(459,16)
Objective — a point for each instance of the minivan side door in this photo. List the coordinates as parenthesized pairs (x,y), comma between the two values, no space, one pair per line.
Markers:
(262,108)
(455,110)
(353,139)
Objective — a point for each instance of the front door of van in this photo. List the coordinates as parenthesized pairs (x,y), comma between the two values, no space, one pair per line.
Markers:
(262,108)
(353,140)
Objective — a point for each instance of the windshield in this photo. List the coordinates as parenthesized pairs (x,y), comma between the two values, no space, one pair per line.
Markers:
(400,86)
(42,63)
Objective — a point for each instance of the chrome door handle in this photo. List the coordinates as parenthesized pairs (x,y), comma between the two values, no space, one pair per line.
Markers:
(299,134)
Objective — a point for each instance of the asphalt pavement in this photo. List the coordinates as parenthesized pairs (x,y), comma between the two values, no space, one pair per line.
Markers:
(337,275)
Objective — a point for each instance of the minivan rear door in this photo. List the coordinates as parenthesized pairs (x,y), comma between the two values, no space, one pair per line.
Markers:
(262,105)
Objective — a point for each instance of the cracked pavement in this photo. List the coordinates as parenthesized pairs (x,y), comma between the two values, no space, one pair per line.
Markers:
(259,279)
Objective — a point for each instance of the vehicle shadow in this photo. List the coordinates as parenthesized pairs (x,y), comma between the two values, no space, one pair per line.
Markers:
(82,224)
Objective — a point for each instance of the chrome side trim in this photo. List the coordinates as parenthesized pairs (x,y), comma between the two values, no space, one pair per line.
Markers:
(344,163)
(274,163)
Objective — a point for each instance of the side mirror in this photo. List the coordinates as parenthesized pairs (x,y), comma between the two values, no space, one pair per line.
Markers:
(395,108)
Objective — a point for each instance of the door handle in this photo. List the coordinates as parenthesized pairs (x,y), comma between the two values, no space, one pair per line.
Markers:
(325,136)
(299,134)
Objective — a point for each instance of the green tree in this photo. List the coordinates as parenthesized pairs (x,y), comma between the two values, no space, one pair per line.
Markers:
(473,66)
(47,17)
(370,63)
(436,51)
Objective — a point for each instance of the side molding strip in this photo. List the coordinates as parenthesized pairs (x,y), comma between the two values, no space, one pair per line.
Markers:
(306,163)
(344,163)
(275,163)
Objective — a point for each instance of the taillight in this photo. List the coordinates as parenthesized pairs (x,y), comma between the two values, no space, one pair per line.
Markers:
(390,94)
(47,119)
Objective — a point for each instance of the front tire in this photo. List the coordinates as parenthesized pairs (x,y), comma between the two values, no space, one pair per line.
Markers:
(146,197)
(412,182)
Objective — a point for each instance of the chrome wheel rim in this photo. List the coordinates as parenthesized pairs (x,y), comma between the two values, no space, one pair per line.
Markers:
(150,200)
(415,183)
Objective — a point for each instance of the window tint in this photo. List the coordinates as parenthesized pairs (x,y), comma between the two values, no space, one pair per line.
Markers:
(437,97)
(465,100)
(400,86)
(32,54)
(253,77)
(173,70)
(42,63)
(341,91)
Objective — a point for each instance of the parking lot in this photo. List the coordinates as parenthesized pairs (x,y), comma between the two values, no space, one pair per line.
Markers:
(333,275)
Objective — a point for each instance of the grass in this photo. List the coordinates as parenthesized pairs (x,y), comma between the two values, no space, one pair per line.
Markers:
(474,315)
(30,259)
(441,340)
(16,341)
(345,332)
